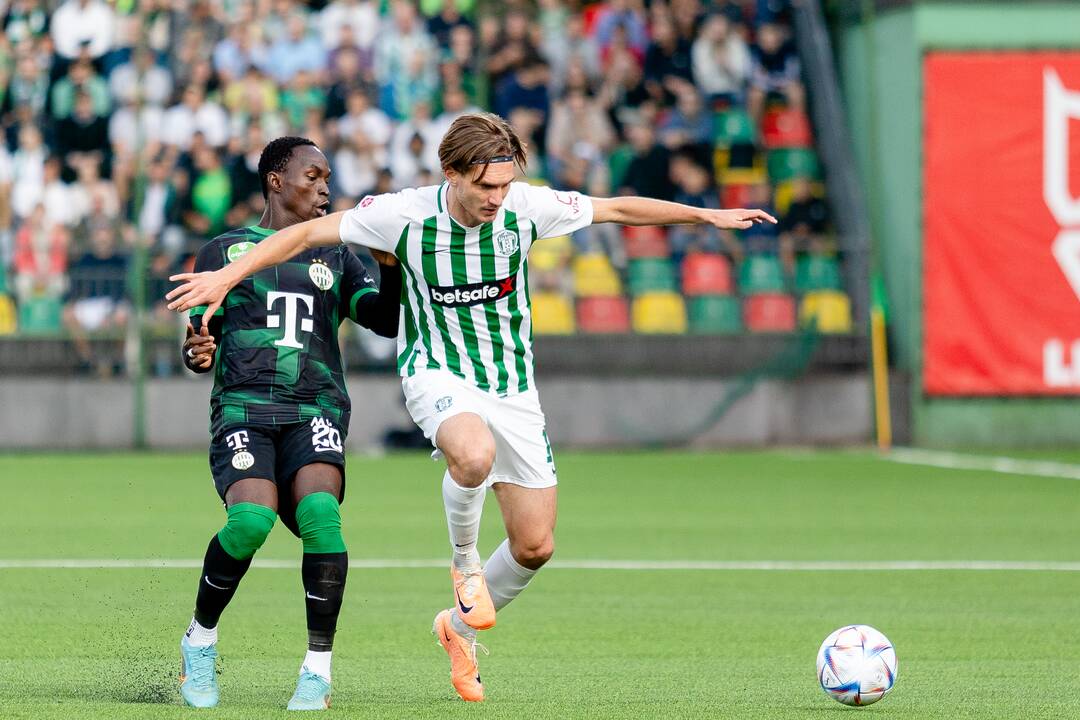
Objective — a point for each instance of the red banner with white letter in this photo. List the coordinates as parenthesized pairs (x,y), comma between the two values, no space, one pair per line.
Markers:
(1001,223)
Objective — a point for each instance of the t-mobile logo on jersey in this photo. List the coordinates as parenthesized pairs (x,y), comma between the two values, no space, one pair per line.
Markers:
(1059,106)
(292,300)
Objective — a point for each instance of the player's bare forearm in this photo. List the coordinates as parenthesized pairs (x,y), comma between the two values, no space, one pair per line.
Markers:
(647,211)
(210,288)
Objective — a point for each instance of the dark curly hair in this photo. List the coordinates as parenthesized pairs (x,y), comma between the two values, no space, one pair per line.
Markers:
(275,157)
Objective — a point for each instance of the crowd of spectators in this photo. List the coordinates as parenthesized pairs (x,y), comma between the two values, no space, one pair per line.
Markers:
(138,123)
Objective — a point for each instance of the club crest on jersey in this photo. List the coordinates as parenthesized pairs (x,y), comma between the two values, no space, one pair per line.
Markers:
(321,275)
(472,293)
(243,460)
(239,250)
(506,243)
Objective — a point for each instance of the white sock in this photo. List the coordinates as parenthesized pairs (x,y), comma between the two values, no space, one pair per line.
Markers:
(318,663)
(460,627)
(199,636)
(463,509)
(505,577)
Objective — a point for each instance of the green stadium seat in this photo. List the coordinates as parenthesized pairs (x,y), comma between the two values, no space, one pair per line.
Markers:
(732,126)
(715,315)
(788,163)
(618,162)
(651,275)
(817,272)
(761,274)
(40,316)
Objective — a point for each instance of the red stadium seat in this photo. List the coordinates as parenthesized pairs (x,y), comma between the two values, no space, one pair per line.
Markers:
(786,128)
(646,242)
(769,312)
(706,274)
(735,195)
(603,315)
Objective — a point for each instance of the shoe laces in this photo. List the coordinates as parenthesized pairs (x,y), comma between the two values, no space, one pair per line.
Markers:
(203,667)
(310,687)
(474,646)
(470,580)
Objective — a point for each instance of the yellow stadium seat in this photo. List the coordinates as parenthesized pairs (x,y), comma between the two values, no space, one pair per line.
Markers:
(595,277)
(784,190)
(828,311)
(744,176)
(552,314)
(8,315)
(551,254)
(659,313)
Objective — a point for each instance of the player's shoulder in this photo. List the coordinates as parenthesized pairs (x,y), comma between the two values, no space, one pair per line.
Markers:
(408,203)
(232,243)
(526,193)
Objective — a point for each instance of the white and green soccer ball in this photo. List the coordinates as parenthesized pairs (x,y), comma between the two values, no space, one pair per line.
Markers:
(856,665)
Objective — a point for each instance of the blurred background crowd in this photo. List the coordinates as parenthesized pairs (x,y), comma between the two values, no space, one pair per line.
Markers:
(133,128)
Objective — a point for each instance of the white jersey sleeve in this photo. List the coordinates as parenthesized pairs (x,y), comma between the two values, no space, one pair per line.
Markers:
(377,221)
(554,212)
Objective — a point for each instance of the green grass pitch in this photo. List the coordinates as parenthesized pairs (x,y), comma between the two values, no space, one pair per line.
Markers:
(597,643)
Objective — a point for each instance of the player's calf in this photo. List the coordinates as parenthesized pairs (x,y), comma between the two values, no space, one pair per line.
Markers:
(324,571)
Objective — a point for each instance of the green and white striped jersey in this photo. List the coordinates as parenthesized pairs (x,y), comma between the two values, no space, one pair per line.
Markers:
(465,290)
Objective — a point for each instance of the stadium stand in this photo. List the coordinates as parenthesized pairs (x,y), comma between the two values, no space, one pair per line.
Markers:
(148,130)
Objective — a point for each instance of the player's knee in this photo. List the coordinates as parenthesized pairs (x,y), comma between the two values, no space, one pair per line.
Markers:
(471,467)
(318,516)
(246,529)
(534,554)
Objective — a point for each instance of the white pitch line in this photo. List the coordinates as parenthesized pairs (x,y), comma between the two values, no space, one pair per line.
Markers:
(1011,466)
(708,565)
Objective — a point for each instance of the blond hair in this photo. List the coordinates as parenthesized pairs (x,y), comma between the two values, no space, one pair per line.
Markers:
(477,139)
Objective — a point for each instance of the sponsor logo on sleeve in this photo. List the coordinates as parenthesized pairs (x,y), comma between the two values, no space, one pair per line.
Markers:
(238,250)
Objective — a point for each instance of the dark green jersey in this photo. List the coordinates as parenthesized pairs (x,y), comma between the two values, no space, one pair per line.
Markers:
(278,359)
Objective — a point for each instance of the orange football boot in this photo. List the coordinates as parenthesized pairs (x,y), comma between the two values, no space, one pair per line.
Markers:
(464,674)
(471,596)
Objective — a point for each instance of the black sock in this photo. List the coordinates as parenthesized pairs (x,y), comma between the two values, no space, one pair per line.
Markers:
(221,574)
(324,587)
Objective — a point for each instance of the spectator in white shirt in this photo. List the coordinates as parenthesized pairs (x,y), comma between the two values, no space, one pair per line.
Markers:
(195,113)
(721,60)
(82,22)
(134,127)
(28,171)
(361,15)
(360,115)
(141,77)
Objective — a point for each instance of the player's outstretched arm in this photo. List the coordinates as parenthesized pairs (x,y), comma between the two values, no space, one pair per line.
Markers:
(647,211)
(210,288)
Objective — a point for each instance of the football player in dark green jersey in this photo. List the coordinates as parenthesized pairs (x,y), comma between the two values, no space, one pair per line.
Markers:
(279,412)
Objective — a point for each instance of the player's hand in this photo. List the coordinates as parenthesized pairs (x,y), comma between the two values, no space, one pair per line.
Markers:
(383,258)
(738,219)
(199,348)
(205,288)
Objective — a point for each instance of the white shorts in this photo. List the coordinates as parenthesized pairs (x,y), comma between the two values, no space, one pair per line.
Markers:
(522,451)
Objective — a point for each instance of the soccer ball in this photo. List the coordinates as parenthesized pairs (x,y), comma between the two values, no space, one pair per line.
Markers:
(856,665)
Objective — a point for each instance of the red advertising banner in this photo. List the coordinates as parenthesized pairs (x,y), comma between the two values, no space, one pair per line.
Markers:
(1001,219)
